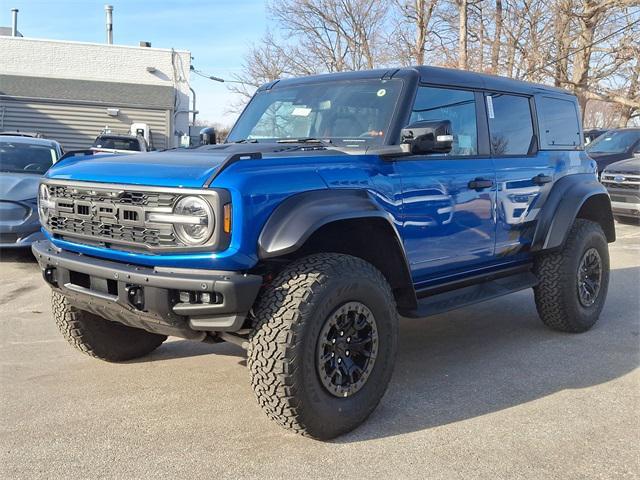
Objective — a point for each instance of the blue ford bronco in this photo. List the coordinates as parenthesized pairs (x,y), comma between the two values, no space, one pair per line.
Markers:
(337,203)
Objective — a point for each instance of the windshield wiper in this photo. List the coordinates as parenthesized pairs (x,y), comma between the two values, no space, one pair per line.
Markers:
(247,140)
(305,140)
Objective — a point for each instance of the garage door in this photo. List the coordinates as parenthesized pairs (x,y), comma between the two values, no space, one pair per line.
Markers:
(76,126)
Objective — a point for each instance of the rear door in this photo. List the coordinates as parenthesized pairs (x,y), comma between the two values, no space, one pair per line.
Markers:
(523,172)
(447,219)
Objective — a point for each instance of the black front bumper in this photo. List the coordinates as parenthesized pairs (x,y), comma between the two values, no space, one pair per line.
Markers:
(148,298)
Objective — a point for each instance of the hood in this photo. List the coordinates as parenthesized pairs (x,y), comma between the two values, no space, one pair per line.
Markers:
(19,186)
(189,168)
(605,159)
(630,165)
(172,168)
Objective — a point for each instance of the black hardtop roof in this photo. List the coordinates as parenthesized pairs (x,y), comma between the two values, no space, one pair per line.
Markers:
(432,75)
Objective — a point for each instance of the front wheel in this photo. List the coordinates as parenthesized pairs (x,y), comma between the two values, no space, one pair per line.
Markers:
(323,348)
(100,338)
(573,282)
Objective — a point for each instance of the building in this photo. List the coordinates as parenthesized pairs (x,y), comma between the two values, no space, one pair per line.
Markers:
(71,91)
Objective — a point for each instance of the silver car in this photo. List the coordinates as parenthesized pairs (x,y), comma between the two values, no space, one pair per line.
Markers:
(23,161)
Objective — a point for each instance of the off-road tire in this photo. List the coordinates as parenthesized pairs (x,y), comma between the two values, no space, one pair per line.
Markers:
(556,294)
(100,338)
(282,351)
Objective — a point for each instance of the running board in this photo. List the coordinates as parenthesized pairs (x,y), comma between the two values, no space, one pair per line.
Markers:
(462,297)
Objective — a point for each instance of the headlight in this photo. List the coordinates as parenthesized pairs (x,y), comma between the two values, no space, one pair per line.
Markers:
(44,203)
(197,222)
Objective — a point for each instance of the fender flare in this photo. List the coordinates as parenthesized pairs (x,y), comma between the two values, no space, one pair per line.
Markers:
(299,216)
(563,203)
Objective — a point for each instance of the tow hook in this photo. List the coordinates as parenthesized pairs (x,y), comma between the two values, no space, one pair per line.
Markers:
(136,297)
(49,274)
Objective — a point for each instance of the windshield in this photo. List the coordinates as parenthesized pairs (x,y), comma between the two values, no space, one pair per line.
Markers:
(25,158)
(618,141)
(347,113)
(117,143)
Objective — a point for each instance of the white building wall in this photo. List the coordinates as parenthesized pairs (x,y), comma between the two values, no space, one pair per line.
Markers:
(101,62)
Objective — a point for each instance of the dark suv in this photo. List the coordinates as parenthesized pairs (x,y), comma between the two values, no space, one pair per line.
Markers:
(614,145)
(338,203)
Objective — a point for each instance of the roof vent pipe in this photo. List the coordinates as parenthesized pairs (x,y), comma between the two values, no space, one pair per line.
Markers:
(14,22)
(109,11)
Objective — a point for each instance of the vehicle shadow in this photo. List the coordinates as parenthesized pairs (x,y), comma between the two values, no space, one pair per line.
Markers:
(178,348)
(19,255)
(498,355)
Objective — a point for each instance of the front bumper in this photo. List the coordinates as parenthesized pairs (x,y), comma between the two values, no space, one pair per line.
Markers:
(625,209)
(148,298)
(19,232)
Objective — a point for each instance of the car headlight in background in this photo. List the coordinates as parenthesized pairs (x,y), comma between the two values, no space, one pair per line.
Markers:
(193,220)
(44,203)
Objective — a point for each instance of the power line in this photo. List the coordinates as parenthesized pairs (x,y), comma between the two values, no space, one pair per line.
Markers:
(602,39)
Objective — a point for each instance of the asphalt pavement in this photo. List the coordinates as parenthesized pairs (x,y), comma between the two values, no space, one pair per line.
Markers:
(482,392)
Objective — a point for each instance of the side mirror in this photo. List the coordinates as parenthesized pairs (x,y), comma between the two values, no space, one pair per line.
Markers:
(208,136)
(428,136)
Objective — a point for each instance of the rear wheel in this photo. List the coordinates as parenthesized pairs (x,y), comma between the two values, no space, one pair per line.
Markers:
(573,282)
(100,338)
(322,351)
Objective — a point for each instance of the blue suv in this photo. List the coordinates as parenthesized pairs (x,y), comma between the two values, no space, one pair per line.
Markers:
(337,203)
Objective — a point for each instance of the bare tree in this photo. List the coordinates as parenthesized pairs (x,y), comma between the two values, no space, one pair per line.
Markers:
(463,32)
(497,37)
(589,47)
(412,30)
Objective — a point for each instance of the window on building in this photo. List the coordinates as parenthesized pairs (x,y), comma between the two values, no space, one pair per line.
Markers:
(510,126)
(558,121)
(457,106)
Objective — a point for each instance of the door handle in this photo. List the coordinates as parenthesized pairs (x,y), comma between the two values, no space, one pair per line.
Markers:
(542,179)
(480,184)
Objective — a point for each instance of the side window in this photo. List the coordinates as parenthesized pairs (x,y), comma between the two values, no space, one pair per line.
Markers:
(510,126)
(558,122)
(457,106)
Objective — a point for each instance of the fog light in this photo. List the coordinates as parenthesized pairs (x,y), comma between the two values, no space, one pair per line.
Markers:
(185,297)
(205,297)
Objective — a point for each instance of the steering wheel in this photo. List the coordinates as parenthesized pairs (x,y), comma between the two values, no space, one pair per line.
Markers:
(32,166)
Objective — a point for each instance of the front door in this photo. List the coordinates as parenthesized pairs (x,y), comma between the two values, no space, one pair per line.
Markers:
(447,200)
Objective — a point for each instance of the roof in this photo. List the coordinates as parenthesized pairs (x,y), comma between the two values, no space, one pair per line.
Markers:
(117,135)
(7,32)
(106,93)
(431,75)
(28,140)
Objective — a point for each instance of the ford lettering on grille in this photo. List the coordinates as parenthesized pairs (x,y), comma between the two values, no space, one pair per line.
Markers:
(111,217)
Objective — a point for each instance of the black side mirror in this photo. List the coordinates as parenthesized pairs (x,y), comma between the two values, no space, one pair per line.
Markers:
(428,136)
(208,136)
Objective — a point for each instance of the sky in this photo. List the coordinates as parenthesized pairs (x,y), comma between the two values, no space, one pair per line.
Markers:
(216,32)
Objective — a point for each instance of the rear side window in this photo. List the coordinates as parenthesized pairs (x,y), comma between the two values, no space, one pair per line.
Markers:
(510,126)
(457,106)
(558,122)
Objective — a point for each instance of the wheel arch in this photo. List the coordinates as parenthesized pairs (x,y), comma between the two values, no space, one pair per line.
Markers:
(340,221)
(573,196)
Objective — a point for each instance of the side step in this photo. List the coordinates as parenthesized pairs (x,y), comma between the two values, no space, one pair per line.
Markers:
(462,297)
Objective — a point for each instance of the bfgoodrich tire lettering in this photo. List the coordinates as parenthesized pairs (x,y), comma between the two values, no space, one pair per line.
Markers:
(557,294)
(282,360)
(100,338)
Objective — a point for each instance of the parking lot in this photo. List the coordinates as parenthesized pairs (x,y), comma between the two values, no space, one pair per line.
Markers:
(483,392)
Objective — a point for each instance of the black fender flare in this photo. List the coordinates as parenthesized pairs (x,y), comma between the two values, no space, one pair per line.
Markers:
(562,206)
(298,217)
